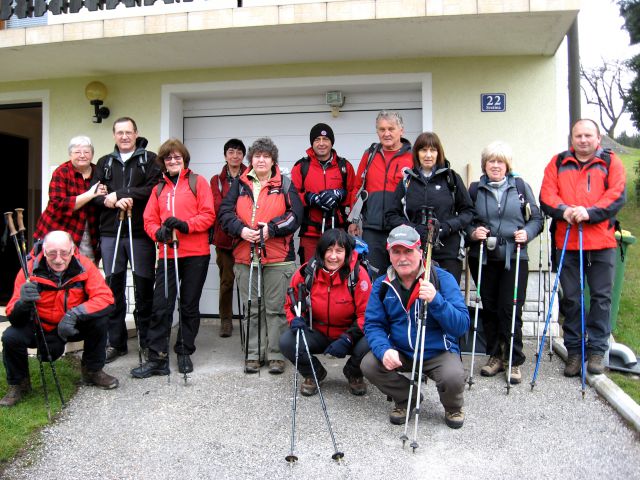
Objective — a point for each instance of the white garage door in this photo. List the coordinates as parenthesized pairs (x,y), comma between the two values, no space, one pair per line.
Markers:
(208,124)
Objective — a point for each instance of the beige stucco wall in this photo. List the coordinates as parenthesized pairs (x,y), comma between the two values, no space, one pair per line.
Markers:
(530,123)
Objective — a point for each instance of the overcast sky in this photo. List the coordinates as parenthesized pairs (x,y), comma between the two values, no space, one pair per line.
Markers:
(602,35)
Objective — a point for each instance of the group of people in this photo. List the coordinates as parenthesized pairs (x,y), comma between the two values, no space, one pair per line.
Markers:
(135,206)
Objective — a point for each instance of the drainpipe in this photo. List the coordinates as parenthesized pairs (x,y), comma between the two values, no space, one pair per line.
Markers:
(573,50)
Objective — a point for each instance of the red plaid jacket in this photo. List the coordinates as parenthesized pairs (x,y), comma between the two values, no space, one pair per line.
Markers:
(66,184)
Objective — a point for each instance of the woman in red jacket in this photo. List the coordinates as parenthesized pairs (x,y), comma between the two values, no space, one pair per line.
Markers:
(339,292)
(181,204)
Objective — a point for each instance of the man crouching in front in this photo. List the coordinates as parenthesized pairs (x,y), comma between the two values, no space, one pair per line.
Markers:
(391,328)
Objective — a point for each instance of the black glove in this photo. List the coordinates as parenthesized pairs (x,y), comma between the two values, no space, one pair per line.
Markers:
(423,231)
(445,230)
(173,222)
(340,347)
(163,234)
(330,199)
(29,292)
(313,199)
(67,326)
(298,323)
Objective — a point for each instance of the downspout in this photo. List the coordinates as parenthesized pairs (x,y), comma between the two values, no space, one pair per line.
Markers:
(573,50)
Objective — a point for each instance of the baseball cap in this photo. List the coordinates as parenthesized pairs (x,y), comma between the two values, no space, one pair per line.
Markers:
(403,235)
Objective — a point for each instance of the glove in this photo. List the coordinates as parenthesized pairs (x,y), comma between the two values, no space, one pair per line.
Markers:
(313,199)
(423,230)
(173,222)
(339,347)
(29,292)
(298,323)
(163,234)
(329,199)
(67,326)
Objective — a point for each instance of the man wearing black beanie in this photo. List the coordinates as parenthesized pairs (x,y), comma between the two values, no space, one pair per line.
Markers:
(325,183)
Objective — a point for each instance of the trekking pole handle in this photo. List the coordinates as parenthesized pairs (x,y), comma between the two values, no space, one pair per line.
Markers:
(121,215)
(19,218)
(8,218)
(292,298)
(128,212)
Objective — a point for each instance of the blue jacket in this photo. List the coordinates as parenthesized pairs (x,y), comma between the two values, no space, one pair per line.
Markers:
(389,324)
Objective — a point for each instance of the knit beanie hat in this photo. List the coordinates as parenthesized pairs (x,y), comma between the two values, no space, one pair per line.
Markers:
(321,129)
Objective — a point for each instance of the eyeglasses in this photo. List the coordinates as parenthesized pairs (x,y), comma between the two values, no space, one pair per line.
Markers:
(177,158)
(53,254)
(125,134)
(86,153)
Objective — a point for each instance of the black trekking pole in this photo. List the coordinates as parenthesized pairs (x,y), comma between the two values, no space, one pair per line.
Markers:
(240,313)
(174,240)
(261,252)
(550,311)
(23,261)
(540,285)
(168,314)
(248,313)
(475,314)
(135,293)
(548,287)
(21,230)
(292,458)
(582,326)
(513,312)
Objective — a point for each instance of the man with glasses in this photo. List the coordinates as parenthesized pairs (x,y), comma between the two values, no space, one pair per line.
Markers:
(129,174)
(72,302)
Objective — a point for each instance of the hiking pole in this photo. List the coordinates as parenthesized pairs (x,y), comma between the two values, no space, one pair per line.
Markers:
(292,458)
(21,230)
(475,314)
(240,313)
(260,253)
(540,284)
(324,220)
(248,314)
(550,311)
(168,314)
(174,239)
(513,312)
(337,455)
(135,294)
(548,287)
(582,327)
(115,249)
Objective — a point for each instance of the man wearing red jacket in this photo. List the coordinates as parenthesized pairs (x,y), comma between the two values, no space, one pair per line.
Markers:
(380,170)
(325,183)
(234,152)
(585,187)
(72,300)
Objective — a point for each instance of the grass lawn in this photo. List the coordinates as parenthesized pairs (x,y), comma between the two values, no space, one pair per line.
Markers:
(20,424)
(628,324)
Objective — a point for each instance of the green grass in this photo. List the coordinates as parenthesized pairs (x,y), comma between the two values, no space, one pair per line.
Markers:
(627,330)
(19,425)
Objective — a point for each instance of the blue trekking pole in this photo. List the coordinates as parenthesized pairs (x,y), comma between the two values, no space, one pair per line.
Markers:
(582,369)
(550,311)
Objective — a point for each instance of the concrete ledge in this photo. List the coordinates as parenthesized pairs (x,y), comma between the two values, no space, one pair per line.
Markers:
(612,393)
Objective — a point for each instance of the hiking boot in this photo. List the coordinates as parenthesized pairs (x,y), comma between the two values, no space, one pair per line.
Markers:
(516,375)
(454,419)
(357,386)
(252,366)
(15,393)
(99,379)
(226,328)
(595,363)
(493,367)
(572,368)
(309,387)
(185,365)
(276,367)
(150,368)
(113,353)
(399,415)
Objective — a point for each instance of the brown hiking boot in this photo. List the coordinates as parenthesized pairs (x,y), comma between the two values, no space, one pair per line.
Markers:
(252,366)
(15,393)
(454,419)
(398,415)
(99,379)
(572,368)
(516,375)
(595,363)
(494,366)
(226,328)
(309,387)
(357,386)
(276,367)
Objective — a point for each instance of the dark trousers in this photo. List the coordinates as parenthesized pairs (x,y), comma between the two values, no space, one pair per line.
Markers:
(16,341)
(445,369)
(225,261)
(144,255)
(599,270)
(496,292)
(192,272)
(378,255)
(318,342)
(453,266)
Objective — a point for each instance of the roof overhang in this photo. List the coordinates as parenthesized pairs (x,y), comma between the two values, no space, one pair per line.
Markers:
(177,42)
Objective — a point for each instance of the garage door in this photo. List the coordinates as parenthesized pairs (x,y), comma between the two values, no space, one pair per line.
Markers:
(208,124)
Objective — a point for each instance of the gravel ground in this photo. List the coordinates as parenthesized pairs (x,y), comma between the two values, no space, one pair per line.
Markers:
(225,424)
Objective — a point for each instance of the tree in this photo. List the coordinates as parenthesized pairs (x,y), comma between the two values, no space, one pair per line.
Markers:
(603,86)
(630,11)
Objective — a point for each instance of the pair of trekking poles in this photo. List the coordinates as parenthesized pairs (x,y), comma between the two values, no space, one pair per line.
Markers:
(41,339)
(258,250)
(297,310)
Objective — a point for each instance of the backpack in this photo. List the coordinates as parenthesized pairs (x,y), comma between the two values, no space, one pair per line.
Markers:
(520,188)
(142,165)
(451,185)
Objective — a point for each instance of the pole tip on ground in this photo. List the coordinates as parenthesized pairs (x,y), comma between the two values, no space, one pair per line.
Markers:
(338,456)
(291,459)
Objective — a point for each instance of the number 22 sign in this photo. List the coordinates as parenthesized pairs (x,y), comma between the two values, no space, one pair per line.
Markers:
(493,102)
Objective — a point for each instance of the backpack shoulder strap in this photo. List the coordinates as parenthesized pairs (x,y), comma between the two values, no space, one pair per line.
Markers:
(342,164)
(309,274)
(304,163)
(473,191)
(193,183)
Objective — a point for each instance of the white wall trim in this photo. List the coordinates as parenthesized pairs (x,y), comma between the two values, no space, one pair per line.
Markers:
(32,96)
(173,95)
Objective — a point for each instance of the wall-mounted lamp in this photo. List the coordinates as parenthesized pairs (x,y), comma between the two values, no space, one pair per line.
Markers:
(335,99)
(96,92)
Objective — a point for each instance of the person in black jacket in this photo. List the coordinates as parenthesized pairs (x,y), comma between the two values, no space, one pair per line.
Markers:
(432,183)
(129,173)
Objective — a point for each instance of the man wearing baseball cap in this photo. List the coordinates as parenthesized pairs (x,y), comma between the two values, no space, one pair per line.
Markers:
(325,183)
(392,334)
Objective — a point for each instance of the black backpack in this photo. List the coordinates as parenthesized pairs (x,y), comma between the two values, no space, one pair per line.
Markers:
(520,188)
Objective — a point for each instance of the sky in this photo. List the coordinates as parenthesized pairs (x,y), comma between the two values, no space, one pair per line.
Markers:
(602,35)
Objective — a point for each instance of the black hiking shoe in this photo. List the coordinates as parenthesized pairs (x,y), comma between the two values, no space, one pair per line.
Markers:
(150,368)
(185,365)
(572,368)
